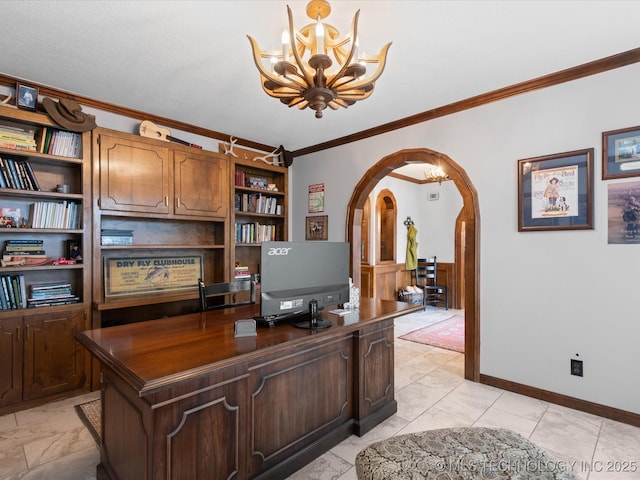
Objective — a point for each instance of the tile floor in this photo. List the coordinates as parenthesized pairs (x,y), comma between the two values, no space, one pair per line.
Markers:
(50,442)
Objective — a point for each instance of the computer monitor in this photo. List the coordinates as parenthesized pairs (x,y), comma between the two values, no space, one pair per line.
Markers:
(294,273)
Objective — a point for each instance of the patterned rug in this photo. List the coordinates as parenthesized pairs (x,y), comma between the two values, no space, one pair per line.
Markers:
(90,413)
(447,334)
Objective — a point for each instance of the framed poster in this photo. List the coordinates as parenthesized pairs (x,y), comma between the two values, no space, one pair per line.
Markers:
(134,275)
(621,153)
(623,213)
(555,192)
(316,198)
(317,228)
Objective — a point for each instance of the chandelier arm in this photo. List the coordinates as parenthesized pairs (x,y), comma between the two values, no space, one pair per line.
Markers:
(381,61)
(258,54)
(345,65)
(307,77)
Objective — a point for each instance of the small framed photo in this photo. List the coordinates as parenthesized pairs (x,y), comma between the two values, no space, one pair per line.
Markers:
(74,250)
(621,153)
(555,192)
(26,96)
(258,182)
(317,228)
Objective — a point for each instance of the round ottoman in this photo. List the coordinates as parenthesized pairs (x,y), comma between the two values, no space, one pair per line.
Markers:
(458,454)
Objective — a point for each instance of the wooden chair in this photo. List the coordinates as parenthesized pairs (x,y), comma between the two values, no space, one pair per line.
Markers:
(223,292)
(426,279)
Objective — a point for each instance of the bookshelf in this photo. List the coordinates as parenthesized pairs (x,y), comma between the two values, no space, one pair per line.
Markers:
(259,211)
(45,204)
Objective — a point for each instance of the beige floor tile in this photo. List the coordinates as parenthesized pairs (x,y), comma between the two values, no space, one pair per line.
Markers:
(526,407)
(567,432)
(326,467)
(7,422)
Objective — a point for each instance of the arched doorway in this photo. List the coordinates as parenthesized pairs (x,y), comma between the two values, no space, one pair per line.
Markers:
(469,234)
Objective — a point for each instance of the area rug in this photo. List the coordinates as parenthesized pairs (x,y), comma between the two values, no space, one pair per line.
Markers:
(447,334)
(90,413)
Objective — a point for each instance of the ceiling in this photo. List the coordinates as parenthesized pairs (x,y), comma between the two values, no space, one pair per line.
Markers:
(191,61)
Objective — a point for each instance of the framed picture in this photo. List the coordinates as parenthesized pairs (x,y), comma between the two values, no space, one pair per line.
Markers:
(27,97)
(316,198)
(74,250)
(555,192)
(257,182)
(623,213)
(621,153)
(317,228)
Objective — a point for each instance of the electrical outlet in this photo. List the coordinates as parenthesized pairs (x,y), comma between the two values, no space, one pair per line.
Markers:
(576,367)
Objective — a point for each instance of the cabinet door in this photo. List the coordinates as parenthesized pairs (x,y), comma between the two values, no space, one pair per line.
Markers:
(134,176)
(10,361)
(201,184)
(53,359)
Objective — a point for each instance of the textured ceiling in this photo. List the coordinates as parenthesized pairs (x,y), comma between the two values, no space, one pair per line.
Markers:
(191,61)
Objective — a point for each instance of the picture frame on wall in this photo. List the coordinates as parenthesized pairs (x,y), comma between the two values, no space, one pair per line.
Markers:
(555,192)
(26,96)
(623,213)
(317,228)
(621,153)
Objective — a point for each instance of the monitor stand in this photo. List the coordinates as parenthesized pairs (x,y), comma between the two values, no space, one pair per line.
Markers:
(304,321)
(320,324)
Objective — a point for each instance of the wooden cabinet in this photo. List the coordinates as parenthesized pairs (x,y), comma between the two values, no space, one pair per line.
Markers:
(52,197)
(11,353)
(259,210)
(139,175)
(175,202)
(53,360)
(40,356)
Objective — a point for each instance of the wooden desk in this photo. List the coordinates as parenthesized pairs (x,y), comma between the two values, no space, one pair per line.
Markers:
(183,399)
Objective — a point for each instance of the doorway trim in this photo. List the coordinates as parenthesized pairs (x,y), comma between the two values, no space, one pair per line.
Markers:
(471,228)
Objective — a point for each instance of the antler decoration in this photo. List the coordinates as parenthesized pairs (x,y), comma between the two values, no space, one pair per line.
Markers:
(266,158)
(228,147)
(6,100)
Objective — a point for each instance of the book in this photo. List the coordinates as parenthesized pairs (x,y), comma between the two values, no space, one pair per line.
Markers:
(24,242)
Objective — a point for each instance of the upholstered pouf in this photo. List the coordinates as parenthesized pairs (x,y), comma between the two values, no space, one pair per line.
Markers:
(458,454)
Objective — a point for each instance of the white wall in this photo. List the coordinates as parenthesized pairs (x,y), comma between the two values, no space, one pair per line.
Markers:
(544,296)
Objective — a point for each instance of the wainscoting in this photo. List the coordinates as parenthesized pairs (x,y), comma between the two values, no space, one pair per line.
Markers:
(385,279)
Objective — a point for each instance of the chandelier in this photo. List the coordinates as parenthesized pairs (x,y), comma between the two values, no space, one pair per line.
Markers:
(317,67)
(436,174)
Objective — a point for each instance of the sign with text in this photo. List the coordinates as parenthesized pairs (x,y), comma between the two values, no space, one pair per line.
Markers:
(316,198)
(128,276)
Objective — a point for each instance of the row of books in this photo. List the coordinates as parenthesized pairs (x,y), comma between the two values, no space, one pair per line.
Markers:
(48,294)
(23,252)
(17,174)
(61,143)
(256,203)
(23,247)
(63,215)
(116,237)
(51,141)
(242,272)
(17,137)
(254,232)
(13,294)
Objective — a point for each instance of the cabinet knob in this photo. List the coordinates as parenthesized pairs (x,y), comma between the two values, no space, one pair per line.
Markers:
(166,200)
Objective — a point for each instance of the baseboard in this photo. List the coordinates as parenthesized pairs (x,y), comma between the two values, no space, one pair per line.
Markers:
(611,413)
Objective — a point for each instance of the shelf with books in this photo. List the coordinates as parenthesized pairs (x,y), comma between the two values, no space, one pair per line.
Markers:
(259,197)
(44,199)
